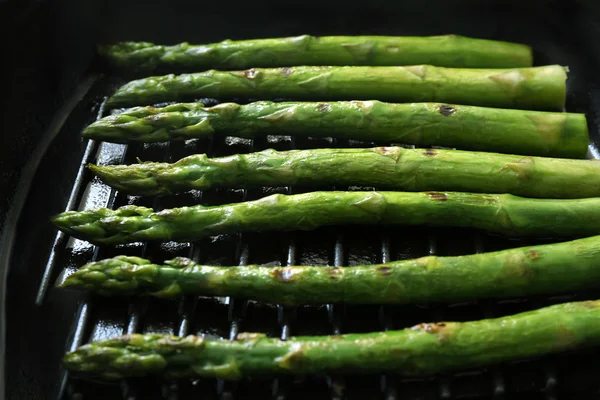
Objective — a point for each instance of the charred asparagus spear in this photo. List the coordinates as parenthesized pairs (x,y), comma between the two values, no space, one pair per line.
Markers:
(525,271)
(424,349)
(504,214)
(422,124)
(446,51)
(537,88)
(383,167)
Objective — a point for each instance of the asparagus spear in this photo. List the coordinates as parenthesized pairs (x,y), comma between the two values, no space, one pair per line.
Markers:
(504,214)
(446,50)
(422,124)
(424,349)
(525,271)
(141,112)
(538,88)
(383,167)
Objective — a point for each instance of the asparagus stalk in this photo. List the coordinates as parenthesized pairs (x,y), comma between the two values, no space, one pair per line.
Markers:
(422,124)
(147,111)
(525,271)
(383,167)
(424,349)
(446,50)
(538,88)
(504,214)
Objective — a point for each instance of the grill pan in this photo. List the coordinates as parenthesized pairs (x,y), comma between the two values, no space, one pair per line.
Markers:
(58,87)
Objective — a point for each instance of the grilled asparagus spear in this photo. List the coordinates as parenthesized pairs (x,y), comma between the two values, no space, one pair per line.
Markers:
(538,88)
(424,349)
(525,271)
(422,124)
(147,111)
(383,167)
(446,51)
(504,214)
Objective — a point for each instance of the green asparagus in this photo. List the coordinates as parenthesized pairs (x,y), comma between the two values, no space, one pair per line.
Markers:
(383,167)
(525,271)
(423,124)
(424,349)
(146,111)
(538,88)
(503,214)
(446,51)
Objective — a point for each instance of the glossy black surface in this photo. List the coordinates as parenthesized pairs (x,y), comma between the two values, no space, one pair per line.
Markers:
(57,88)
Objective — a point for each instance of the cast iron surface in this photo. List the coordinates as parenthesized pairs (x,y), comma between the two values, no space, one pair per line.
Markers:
(44,322)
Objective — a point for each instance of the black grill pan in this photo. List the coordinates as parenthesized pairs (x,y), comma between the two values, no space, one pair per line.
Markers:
(56,87)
